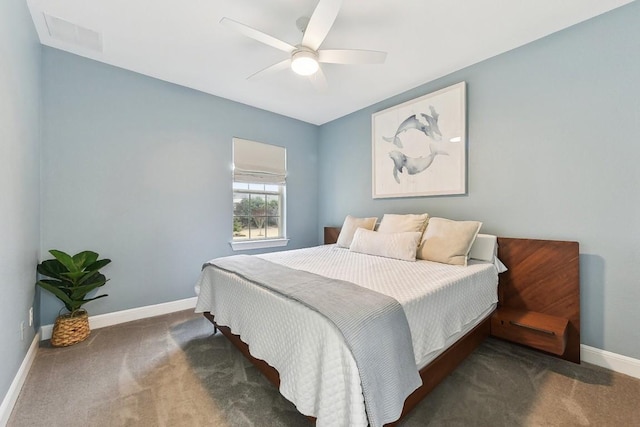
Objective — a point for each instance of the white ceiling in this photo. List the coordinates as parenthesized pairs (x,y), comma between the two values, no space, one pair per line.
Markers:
(182,42)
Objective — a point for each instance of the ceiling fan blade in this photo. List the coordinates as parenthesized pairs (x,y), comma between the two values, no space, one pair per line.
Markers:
(271,69)
(257,35)
(350,56)
(319,81)
(320,23)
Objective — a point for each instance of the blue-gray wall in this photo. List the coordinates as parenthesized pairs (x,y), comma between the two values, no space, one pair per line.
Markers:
(19,182)
(554,146)
(139,170)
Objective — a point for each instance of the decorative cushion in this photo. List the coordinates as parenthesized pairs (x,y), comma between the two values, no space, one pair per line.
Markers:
(448,241)
(484,248)
(390,245)
(393,223)
(349,227)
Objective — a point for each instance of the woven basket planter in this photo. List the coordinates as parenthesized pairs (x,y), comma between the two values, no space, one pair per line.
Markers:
(70,330)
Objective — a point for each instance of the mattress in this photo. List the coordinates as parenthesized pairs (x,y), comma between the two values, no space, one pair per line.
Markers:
(317,372)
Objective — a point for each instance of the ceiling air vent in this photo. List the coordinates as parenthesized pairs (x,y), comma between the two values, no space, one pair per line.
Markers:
(68,32)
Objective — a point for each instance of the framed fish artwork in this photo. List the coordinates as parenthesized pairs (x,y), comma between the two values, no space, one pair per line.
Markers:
(419,147)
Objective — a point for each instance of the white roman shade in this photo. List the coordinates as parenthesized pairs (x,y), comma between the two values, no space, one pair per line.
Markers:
(255,162)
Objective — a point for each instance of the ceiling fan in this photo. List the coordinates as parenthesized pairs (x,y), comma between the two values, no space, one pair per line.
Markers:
(305,57)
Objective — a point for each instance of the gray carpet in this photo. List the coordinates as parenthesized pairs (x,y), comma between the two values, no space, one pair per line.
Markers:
(170,371)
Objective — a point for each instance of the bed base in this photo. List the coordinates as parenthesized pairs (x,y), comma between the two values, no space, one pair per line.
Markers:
(431,375)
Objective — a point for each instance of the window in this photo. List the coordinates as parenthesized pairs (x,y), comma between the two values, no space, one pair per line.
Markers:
(259,183)
(256,211)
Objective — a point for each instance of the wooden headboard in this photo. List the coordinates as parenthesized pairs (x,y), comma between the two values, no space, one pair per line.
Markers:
(543,277)
(331,235)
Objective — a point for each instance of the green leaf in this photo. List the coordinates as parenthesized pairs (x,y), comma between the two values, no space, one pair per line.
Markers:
(52,268)
(78,259)
(65,259)
(97,265)
(89,276)
(58,293)
(91,299)
(60,285)
(74,276)
(85,258)
(95,278)
(81,291)
(54,282)
(100,277)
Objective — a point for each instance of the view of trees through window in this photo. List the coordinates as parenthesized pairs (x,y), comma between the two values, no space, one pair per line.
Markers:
(257,211)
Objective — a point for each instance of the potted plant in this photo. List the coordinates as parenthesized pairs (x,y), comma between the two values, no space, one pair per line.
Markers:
(71,279)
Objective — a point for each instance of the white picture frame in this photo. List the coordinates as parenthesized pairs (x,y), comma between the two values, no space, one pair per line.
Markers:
(419,147)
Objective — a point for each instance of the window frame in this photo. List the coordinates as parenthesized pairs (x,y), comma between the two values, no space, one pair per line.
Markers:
(260,242)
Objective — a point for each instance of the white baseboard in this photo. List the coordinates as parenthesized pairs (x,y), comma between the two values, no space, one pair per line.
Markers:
(18,381)
(109,319)
(606,359)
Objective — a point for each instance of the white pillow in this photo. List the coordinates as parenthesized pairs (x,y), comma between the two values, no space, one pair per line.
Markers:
(484,248)
(448,241)
(393,223)
(349,227)
(390,245)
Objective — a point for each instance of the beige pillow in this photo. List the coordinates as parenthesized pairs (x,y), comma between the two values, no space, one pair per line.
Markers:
(393,223)
(448,241)
(349,227)
(389,245)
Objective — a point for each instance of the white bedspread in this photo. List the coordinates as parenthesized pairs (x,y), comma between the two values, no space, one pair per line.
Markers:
(317,371)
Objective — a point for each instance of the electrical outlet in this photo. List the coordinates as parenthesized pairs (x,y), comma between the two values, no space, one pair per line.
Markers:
(22,331)
(30,316)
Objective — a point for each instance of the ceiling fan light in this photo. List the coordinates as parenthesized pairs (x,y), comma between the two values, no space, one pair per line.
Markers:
(304,63)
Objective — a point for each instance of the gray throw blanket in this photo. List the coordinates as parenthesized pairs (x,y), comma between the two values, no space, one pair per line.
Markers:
(374,327)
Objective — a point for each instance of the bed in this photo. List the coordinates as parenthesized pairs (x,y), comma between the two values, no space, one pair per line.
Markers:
(310,362)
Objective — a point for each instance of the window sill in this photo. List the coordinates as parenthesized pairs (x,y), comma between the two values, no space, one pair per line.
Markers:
(258,244)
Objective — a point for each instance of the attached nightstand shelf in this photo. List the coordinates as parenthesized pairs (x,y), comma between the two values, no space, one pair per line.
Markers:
(530,328)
